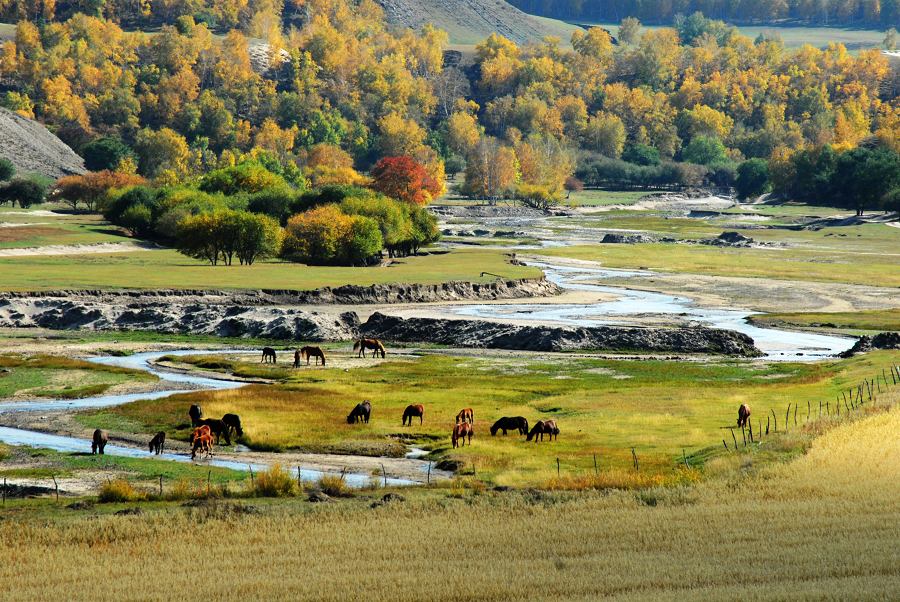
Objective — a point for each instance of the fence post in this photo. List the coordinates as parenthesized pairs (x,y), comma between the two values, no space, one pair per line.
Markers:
(208,479)
(751,431)
(384,473)
(557,468)
(733,437)
(252,483)
(787,417)
(795,414)
(596,471)
(774,419)
(428,479)
(56,487)
(807,410)
(299,478)
(684,457)
(767,425)
(725,444)
(637,465)
(160,486)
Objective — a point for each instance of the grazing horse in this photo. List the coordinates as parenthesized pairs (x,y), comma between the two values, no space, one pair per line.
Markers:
(374,344)
(157,443)
(360,413)
(99,441)
(541,427)
(466,415)
(268,354)
(199,432)
(460,432)
(201,441)
(233,423)
(217,428)
(196,414)
(310,352)
(743,415)
(413,410)
(511,423)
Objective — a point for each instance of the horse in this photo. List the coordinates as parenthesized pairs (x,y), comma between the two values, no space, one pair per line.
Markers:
(217,428)
(157,443)
(360,413)
(512,423)
(743,415)
(466,415)
(199,432)
(374,344)
(541,427)
(460,432)
(196,414)
(99,441)
(413,410)
(233,423)
(267,354)
(310,352)
(203,443)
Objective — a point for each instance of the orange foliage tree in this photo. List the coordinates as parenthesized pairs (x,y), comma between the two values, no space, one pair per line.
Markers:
(92,188)
(405,179)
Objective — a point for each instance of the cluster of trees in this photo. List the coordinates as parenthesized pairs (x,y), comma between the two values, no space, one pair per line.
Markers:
(24,191)
(885,13)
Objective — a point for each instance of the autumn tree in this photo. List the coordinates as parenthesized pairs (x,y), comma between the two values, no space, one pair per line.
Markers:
(404,179)
(93,188)
(492,170)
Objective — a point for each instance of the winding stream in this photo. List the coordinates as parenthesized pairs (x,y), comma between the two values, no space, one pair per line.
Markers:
(776,344)
(144,361)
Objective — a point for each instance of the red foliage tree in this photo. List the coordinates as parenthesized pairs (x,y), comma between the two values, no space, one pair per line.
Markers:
(405,179)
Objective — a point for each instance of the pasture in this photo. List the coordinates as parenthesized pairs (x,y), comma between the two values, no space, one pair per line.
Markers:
(603,407)
(866,321)
(50,376)
(822,526)
(27,229)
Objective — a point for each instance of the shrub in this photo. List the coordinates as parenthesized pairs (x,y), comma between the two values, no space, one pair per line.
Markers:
(120,490)
(246,177)
(222,234)
(752,178)
(22,191)
(139,195)
(138,220)
(536,197)
(641,154)
(7,169)
(327,236)
(274,482)
(335,486)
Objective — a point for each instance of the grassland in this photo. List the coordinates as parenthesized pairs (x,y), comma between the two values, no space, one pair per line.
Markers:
(603,407)
(47,376)
(871,320)
(37,230)
(822,526)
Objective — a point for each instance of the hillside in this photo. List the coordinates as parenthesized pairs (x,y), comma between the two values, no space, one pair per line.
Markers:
(470,21)
(34,149)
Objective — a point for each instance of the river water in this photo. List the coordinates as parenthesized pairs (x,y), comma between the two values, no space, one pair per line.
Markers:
(144,361)
(776,344)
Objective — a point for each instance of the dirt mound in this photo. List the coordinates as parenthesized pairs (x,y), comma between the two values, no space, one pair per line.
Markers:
(729,239)
(475,19)
(33,149)
(882,340)
(628,239)
(492,335)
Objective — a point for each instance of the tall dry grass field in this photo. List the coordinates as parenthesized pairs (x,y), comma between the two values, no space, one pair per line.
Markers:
(825,526)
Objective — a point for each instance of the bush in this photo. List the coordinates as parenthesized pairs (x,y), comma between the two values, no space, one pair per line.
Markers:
(335,486)
(7,169)
(704,150)
(536,197)
(274,202)
(24,192)
(752,178)
(104,153)
(327,236)
(120,490)
(275,482)
(722,174)
(138,220)
(139,195)
(247,177)
(641,154)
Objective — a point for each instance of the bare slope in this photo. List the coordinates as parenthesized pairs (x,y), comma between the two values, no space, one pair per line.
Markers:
(33,149)
(470,21)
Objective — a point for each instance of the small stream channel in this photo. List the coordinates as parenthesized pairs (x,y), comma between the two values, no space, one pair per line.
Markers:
(144,361)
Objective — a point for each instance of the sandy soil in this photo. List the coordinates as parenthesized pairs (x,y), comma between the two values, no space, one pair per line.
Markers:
(104,247)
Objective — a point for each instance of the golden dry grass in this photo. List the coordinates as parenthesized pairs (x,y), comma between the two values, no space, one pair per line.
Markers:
(825,526)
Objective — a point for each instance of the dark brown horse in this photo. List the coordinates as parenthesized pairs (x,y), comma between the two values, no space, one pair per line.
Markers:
(510,423)
(218,428)
(310,352)
(233,422)
(542,427)
(743,415)
(460,432)
(360,413)
(157,443)
(99,441)
(374,344)
(196,414)
(466,415)
(412,411)
(268,354)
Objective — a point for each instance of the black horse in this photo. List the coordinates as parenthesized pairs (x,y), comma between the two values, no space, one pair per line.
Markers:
(218,428)
(196,414)
(360,413)
(99,441)
(511,423)
(268,354)
(233,422)
(157,443)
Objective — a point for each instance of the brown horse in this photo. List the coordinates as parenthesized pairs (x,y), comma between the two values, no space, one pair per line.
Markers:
(374,344)
(413,410)
(541,427)
(157,443)
(268,354)
(743,415)
(99,441)
(200,431)
(466,415)
(218,428)
(460,432)
(510,423)
(310,352)
(202,443)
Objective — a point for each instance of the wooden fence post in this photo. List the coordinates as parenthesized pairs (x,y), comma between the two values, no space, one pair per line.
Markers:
(160,486)
(751,431)
(384,472)
(787,417)
(684,457)
(596,470)
(767,426)
(774,419)
(557,468)
(299,479)
(733,437)
(637,465)
(795,414)
(252,483)
(428,479)
(56,487)
(725,444)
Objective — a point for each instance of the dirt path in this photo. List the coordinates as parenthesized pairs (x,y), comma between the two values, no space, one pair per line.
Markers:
(103,247)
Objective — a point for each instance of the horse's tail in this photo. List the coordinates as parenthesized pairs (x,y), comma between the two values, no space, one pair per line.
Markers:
(357,345)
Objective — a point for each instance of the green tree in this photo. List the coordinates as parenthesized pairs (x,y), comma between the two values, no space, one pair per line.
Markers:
(7,169)
(704,150)
(22,191)
(137,219)
(104,153)
(752,178)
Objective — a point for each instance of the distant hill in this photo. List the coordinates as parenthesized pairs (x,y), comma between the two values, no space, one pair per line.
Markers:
(33,149)
(470,21)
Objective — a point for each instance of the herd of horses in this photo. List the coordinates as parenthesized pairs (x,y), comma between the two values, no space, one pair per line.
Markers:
(207,429)
(269,355)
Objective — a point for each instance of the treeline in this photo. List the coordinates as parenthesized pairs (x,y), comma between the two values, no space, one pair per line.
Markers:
(247,212)
(874,13)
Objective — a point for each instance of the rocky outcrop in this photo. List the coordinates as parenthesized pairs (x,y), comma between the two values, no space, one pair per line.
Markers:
(729,239)
(477,333)
(882,340)
(628,239)
(32,148)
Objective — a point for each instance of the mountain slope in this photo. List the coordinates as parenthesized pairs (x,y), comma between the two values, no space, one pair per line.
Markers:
(470,21)
(34,149)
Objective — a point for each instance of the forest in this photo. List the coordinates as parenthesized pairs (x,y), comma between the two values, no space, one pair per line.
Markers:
(321,91)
